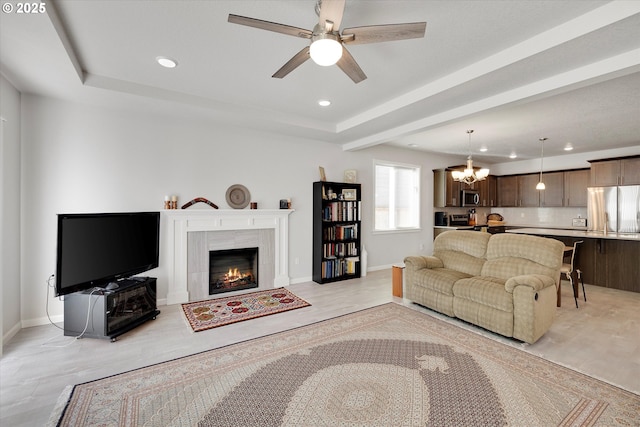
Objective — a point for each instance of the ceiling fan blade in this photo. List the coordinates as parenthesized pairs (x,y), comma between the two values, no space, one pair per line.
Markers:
(383,33)
(270,26)
(331,10)
(351,67)
(297,60)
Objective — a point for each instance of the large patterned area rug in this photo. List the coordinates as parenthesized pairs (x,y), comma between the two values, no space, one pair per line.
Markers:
(385,366)
(203,315)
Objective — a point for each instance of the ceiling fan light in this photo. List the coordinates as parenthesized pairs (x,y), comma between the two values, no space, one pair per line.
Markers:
(325,49)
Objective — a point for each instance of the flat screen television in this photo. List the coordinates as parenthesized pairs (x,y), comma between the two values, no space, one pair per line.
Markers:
(97,249)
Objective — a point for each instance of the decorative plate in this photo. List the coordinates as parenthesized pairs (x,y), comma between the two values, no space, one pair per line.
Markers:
(238,196)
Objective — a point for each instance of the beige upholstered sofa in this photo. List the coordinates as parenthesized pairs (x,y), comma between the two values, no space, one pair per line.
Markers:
(505,283)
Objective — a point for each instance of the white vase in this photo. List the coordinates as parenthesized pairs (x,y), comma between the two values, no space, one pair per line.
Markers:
(363,262)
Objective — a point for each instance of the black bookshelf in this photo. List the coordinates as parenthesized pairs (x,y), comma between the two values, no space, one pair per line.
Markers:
(336,231)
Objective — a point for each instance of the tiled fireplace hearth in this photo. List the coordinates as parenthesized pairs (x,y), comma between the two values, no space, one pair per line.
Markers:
(189,235)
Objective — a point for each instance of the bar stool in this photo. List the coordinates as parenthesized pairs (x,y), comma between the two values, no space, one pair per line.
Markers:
(570,270)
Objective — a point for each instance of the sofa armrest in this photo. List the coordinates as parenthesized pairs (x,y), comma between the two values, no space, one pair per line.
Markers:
(420,262)
(535,281)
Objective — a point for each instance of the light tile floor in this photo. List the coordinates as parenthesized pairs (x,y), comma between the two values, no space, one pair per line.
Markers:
(601,339)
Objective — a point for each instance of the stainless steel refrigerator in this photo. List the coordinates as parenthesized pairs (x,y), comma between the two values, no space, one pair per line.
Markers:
(615,208)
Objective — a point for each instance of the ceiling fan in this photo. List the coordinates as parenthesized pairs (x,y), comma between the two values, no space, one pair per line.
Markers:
(326,47)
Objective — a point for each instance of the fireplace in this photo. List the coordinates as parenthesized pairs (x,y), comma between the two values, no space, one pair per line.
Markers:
(189,235)
(233,270)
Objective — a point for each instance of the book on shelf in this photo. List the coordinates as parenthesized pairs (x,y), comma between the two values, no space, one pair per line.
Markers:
(341,232)
(332,268)
(342,211)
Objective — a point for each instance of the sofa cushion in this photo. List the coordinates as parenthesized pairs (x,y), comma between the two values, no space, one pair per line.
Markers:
(462,250)
(487,291)
(510,255)
(439,279)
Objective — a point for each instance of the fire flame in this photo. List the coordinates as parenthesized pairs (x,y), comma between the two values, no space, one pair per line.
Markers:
(233,274)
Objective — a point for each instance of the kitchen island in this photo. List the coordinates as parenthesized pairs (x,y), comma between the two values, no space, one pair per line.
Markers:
(610,260)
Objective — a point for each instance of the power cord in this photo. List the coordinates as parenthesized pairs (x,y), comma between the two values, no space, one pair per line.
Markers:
(49,285)
(86,325)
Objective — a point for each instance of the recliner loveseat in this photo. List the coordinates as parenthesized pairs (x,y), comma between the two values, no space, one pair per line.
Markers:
(505,283)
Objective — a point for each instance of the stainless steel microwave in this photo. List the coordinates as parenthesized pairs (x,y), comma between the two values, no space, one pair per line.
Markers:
(470,198)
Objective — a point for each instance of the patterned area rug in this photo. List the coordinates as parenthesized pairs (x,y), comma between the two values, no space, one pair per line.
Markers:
(384,366)
(203,315)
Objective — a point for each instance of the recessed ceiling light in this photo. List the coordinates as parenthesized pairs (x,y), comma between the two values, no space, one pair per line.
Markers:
(413,145)
(166,62)
(483,149)
(568,147)
(324,103)
(513,155)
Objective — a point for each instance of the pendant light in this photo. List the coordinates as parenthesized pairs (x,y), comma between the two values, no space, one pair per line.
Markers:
(540,185)
(469,175)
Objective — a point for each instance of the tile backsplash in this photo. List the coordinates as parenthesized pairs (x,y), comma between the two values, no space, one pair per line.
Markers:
(542,217)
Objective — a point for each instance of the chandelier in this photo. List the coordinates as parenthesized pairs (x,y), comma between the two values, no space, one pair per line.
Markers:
(469,175)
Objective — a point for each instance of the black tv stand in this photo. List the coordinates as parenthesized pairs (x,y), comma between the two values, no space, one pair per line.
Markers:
(112,312)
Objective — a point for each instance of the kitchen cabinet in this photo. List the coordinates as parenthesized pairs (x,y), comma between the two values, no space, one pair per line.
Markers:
(606,173)
(518,191)
(507,191)
(575,187)
(563,188)
(553,194)
(528,196)
(446,191)
(614,263)
(488,191)
(621,263)
(611,263)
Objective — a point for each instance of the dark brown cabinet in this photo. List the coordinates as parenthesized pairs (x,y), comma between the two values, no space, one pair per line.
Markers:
(606,173)
(488,191)
(518,191)
(507,191)
(553,194)
(563,188)
(575,187)
(609,263)
(614,263)
(528,196)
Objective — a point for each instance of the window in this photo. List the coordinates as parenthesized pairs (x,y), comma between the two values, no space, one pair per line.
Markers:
(397,196)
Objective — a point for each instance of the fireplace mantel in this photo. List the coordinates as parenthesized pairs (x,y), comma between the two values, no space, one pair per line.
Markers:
(176,224)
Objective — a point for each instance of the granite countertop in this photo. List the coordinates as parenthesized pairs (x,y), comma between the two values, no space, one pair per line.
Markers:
(576,233)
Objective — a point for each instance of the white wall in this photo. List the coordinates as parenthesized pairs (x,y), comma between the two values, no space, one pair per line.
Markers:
(9,210)
(78,158)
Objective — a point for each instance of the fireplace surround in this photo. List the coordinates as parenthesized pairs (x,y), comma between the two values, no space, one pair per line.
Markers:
(200,245)
(180,226)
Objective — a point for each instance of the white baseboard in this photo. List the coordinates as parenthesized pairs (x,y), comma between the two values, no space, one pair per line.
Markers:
(42,321)
(301,280)
(11,333)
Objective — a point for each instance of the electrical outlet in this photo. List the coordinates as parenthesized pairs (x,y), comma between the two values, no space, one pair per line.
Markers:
(296,261)
(421,246)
